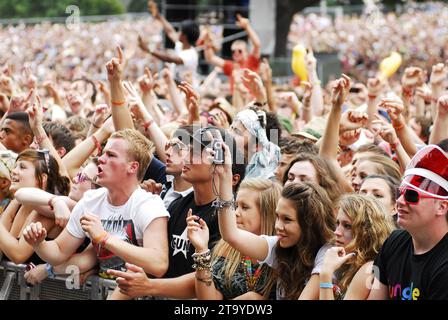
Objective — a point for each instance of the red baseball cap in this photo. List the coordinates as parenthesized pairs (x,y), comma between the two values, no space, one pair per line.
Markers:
(428,172)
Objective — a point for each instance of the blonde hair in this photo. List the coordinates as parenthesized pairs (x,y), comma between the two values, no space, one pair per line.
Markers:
(384,165)
(371,226)
(140,149)
(268,195)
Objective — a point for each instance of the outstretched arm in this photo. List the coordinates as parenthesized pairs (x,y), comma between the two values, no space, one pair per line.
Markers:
(54,252)
(120,113)
(253,36)
(167,27)
(246,242)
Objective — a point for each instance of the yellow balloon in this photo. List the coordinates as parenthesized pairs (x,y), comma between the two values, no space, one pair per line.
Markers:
(298,62)
(390,65)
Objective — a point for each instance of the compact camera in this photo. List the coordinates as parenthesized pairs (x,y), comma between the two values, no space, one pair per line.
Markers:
(219,152)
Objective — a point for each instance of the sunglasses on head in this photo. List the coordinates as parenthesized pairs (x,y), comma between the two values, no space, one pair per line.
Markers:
(176,145)
(81,177)
(46,155)
(413,196)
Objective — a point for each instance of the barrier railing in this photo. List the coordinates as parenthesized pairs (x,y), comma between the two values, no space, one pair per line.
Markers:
(13,286)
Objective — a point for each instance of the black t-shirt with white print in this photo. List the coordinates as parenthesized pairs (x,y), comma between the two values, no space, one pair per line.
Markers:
(409,276)
(180,249)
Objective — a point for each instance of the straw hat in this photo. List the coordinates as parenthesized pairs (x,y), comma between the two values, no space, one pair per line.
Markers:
(313,130)
(7,161)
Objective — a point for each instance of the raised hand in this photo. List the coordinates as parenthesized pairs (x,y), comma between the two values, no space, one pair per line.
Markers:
(387,132)
(254,84)
(340,91)
(438,74)
(34,234)
(30,79)
(147,82)
(310,61)
(142,44)
(424,93)
(102,111)
(352,120)
(265,71)
(6,85)
(374,87)
(4,103)
(197,232)
(348,138)
(152,6)
(115,67)
(242,22)
(192,101)
(394,107)
(442,106)
(412,78)
(35,114)
(104,90)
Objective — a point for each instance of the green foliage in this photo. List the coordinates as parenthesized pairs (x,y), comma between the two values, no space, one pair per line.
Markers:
(52,8)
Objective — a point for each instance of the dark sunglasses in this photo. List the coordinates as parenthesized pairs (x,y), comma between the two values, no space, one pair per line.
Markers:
(412,196)
(237,50)
(81,177)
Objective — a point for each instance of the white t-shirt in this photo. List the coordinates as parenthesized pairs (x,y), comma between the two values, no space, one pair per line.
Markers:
(122,221)
(271,257)
(172,194)
(190,59)
(319,260)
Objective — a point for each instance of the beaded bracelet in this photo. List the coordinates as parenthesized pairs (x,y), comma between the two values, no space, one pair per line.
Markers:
(208,281)
(221,204)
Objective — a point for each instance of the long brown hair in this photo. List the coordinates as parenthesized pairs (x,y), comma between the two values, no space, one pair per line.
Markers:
(371,225)
(317,221)
(325,176)
(56,184)
(268,195)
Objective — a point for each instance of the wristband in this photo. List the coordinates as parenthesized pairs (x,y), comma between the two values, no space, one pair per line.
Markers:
(100,238)
(393,146)
(97,144)
(147,124)
(399,127)
(95,126)
(371,96)
(118,103)
(50,272)
(326,285)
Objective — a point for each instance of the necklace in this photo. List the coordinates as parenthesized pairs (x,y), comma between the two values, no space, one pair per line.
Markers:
(251,278)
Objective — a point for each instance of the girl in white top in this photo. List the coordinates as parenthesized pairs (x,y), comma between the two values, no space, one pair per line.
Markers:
(304,223)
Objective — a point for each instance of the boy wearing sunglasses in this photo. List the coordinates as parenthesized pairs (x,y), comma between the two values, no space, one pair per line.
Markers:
(241,59)
(413,262)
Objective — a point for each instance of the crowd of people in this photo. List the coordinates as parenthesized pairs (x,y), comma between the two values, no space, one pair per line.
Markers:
(176,189)
(363,41)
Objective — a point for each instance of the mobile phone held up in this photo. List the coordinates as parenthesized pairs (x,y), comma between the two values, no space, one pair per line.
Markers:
(219,152)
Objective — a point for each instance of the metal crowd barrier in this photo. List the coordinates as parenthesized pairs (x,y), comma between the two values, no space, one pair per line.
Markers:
(14,287)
